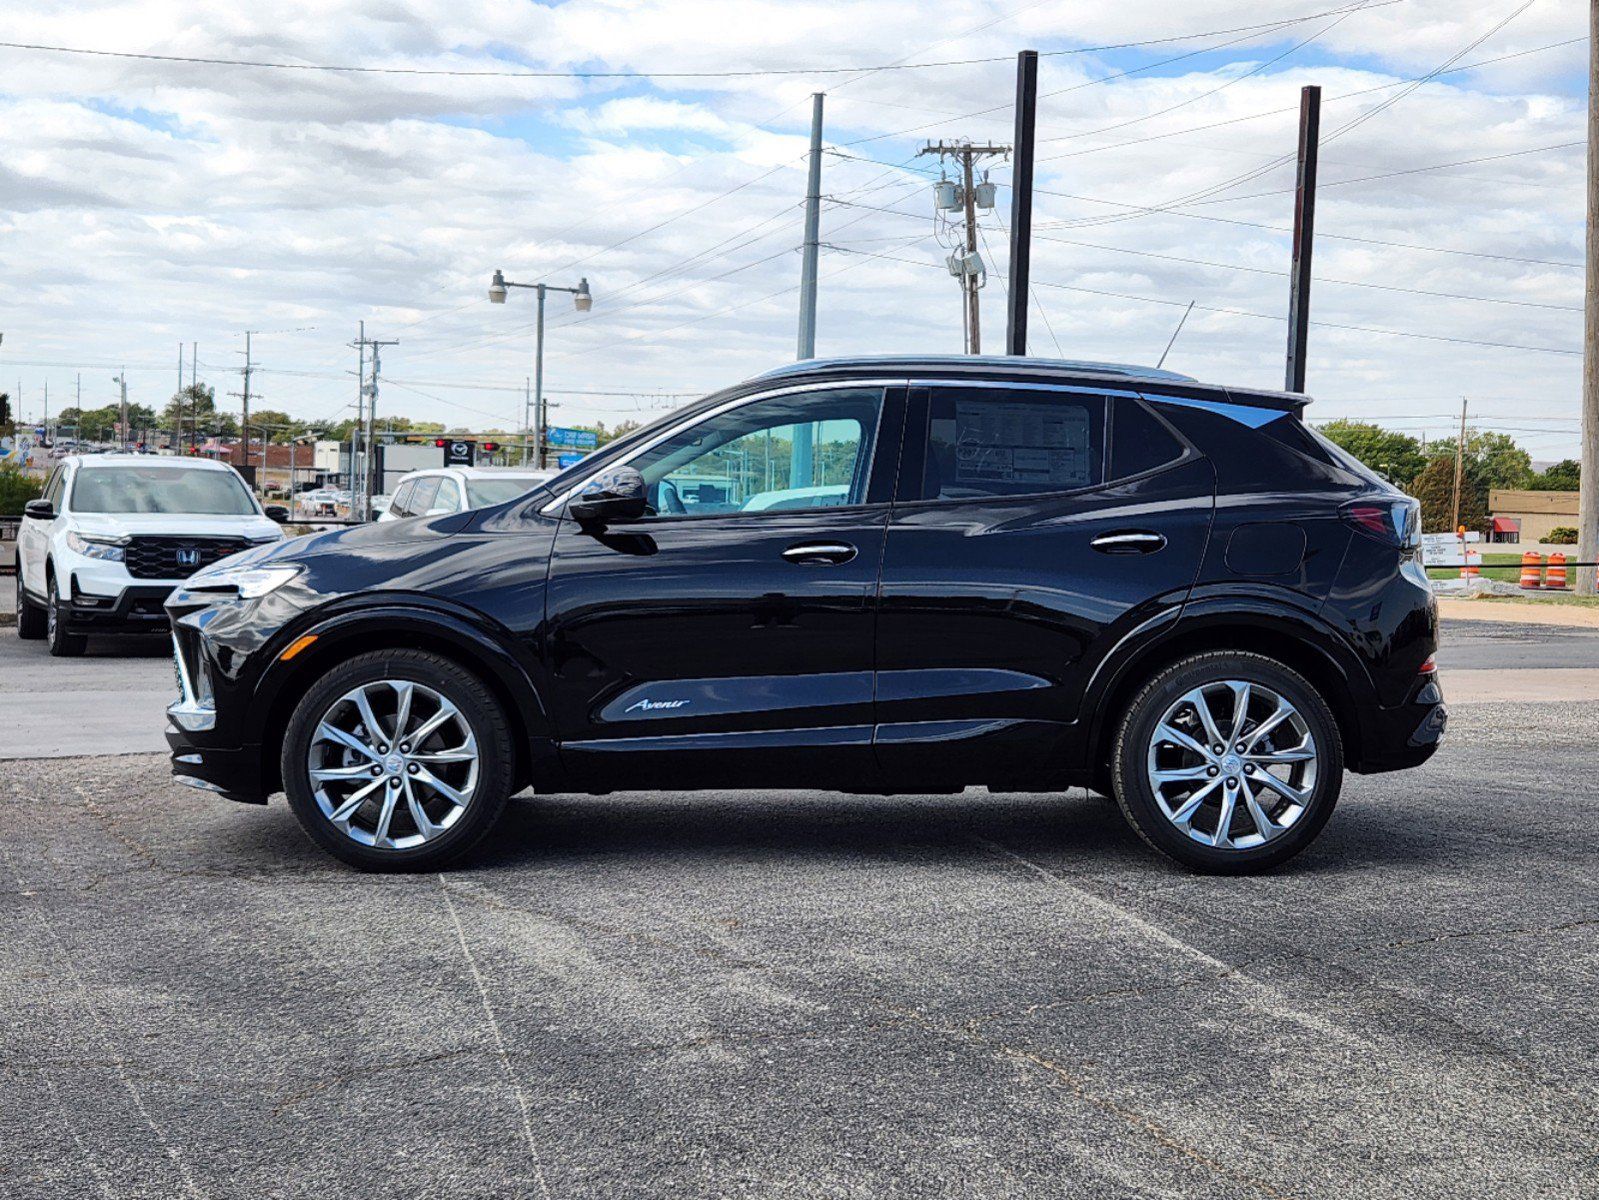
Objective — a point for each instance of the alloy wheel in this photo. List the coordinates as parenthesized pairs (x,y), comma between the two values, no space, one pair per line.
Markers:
(393,764)
(1232,764)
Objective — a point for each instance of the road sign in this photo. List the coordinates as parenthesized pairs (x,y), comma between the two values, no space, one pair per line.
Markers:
(568,460)
(577,439)
(458,452)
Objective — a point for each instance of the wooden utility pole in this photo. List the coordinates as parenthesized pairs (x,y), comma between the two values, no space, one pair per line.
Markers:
(1460,458)
(1588,493)
(1304,237)
(971,279)
(813,233)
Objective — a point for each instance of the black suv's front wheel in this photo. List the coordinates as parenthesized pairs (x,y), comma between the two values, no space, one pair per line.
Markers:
(1228,762)
(397,760)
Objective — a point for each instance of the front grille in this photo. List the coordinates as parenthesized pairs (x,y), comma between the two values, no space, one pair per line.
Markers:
(177,557)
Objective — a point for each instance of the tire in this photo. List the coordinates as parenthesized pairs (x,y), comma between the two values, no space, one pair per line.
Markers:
(30,617)
(62,643)
(1158,780)
(380,677)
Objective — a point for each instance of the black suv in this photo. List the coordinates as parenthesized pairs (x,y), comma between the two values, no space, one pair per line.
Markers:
(876,575)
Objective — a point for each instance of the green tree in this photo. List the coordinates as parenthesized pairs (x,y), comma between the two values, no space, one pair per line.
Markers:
(274,425)
(1498,460)
(5,412)
(1397,456)
(1564,476)
(1435,488)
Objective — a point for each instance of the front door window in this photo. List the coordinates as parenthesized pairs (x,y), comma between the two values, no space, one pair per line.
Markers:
(785,453)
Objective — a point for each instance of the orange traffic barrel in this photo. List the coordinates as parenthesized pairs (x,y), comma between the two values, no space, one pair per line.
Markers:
(1556,578)
(1471,565)
(1531,571)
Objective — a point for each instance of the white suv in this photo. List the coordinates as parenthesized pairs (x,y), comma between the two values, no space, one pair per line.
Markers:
(113,534)
(441,490)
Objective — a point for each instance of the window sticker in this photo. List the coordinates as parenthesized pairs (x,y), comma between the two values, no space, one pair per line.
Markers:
(1037,445)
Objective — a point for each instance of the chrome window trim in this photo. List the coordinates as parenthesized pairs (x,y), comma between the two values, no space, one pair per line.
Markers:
(829,385)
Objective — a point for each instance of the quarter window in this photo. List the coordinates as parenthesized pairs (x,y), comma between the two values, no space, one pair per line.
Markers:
(422,498)
(402,498)
(985,442)
(801,451)
(1139,441)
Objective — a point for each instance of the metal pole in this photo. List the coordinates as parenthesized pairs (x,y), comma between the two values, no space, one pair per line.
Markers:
(538,387)
(527,414)
(1021,203)
(1460,466)
(194,384)
(813,233)
(177,412)
(970,281)
(1304,236)
(244,426)
(122,380)
(1588,487)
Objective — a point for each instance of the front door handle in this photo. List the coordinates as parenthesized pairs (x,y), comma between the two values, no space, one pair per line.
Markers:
(820,554)
(1134,541)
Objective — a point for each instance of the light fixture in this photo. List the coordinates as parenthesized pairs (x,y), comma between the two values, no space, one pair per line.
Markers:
(497,289)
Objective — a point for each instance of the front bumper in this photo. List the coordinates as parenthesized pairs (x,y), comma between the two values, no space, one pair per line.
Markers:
(234,772)
(136,608)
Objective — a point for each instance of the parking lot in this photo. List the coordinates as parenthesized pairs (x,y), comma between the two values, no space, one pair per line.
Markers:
(801,994)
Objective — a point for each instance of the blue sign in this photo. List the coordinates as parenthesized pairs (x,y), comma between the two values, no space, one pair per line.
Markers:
(577,439)
(568,460)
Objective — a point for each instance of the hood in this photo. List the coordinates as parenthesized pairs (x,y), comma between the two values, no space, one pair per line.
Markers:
(355,537)
(252,525)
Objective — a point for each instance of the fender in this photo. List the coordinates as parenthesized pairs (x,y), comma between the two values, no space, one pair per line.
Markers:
(1264,610)
(419,618)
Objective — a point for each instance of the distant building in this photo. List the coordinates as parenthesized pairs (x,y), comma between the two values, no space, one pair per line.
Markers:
(1529,516)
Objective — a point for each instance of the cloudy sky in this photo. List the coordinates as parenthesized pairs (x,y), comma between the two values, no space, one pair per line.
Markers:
(657,148)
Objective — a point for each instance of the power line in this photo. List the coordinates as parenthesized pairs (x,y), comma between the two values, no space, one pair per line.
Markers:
(523,73)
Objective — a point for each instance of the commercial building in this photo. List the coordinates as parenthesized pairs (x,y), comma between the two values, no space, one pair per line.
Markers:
(1520,516)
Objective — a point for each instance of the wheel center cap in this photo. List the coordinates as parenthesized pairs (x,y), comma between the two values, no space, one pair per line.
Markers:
(394,764)
(1232,764)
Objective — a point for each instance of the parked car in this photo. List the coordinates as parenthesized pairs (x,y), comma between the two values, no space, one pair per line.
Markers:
(113,534)
(440,491)
(1044,574)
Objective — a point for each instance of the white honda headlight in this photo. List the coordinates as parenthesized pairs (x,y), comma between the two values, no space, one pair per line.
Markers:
(92,545)
(247,583)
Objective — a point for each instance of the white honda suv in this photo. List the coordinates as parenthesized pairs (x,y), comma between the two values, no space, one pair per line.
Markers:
(113,534)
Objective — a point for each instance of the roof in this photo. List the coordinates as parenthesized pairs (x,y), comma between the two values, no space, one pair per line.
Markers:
(485,472)
(170,461)
(1019,367)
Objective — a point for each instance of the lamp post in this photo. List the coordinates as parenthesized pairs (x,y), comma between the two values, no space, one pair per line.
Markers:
(584,301)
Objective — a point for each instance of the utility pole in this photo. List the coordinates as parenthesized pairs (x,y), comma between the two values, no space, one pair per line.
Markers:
(194,384)
(244,426)
(370,437)
(1588,487)
(1021,204)
(813,233)
(1460,465)
(967,266)
(1304,236)
(122,425)
(527,414)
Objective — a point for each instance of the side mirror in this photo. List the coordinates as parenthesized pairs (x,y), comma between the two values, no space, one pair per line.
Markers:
(43,510)
(276,512)
(611,496)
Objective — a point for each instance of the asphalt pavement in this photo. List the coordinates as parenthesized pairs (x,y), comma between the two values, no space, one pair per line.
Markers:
(110,701)
(807,994)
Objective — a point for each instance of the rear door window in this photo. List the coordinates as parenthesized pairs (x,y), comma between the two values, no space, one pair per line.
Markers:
(984,442)
(397,507)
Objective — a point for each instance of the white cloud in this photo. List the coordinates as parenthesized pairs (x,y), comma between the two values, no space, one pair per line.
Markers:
(144,203)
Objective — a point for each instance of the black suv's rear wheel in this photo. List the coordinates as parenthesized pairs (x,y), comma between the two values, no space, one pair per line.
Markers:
(397,760)
(30,618)
(1228,762)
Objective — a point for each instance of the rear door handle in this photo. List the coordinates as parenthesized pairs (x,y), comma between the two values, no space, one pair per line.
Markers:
(820,554)
(1136,541)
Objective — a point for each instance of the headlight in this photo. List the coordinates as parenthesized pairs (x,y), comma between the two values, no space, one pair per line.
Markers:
(247,583)
(91,546)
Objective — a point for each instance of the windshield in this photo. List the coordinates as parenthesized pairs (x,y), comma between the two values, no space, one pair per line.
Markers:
(485,493)
(160,490)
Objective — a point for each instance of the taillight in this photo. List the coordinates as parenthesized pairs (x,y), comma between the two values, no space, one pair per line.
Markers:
(1430,667)
(1395,522)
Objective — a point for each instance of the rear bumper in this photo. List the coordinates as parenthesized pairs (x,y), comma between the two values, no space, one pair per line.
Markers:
(1405,735)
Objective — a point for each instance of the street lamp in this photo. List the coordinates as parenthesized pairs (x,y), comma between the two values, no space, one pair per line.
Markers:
(583,299)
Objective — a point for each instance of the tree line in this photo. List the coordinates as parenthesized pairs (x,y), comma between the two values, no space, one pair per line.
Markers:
(1491,460)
